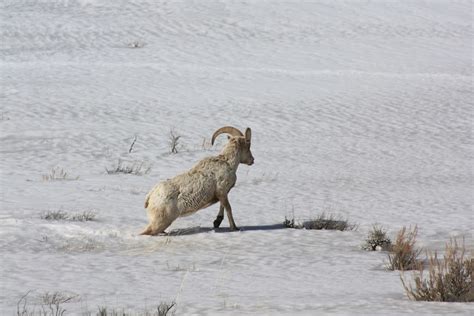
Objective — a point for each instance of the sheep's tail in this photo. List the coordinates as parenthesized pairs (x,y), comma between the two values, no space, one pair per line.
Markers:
(147,199)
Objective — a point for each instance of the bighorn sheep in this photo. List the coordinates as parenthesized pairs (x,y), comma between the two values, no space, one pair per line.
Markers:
(208,182)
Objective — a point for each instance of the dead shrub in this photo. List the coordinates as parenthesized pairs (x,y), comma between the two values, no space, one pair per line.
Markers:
(449,280)
(173,141)
(164,308)
(290,223)
(403,254)
(22,306)
(329,222)
(51,304)
(133,143)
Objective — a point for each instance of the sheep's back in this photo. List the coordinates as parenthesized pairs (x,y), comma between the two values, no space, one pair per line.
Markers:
(196,190)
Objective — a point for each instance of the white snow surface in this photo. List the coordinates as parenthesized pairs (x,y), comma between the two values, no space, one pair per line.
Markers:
(361,108)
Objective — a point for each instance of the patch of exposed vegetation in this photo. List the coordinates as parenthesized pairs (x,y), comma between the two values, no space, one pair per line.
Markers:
(137,168)
(54,304)
(448,280)
(58,174)
(322,221)
(290,223)
(54,215)
(62,215)
(329,222)
(404,254)
(377,240)
(136,44)
(85,216)
(163,309)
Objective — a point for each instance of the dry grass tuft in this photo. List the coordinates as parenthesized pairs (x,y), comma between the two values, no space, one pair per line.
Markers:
(377,239)
(206,144)
(58,174)
(84,216)
(404,254)
(161,310)
(53,304)
(54,215)
(136,44)
(449,280)
(137,168)
(322,221)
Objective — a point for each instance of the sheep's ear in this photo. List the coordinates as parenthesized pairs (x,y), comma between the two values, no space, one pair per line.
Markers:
(228,137)
(248,135)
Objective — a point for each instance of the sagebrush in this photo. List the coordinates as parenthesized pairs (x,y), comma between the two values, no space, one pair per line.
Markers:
(404,253)
(448,280)
(50,304)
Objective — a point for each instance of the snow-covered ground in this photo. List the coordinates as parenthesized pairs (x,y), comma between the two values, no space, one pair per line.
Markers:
(363,108)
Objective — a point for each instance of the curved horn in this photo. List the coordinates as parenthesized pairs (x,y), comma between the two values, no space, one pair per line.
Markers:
(226,129)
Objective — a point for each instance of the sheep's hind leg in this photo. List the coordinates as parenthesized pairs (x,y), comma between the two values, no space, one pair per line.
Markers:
(159,228)
(160,220)
(220,216)
(146,231)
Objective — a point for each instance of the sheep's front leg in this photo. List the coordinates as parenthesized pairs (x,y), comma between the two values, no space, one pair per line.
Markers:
(220,216)
(228,208)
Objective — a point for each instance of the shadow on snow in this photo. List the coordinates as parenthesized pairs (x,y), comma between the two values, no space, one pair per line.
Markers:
(199,229)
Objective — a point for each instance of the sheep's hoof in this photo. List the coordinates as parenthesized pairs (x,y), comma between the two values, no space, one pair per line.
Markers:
(235,228)
(218,221)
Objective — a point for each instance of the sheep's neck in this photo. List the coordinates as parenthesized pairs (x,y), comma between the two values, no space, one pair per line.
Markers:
(231,154)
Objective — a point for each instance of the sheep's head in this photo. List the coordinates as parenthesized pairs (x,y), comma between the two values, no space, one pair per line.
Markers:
(242,140)
(245,153)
